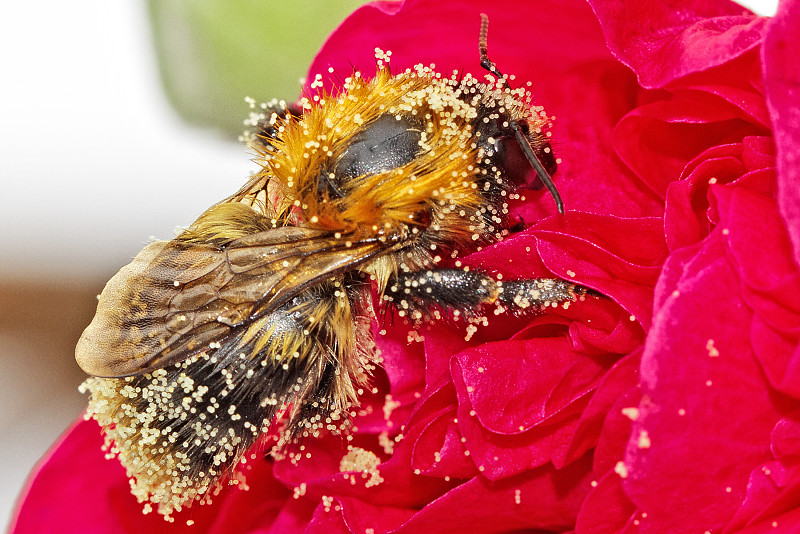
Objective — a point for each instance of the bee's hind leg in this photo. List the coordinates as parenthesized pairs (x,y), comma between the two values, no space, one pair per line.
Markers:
(463,292)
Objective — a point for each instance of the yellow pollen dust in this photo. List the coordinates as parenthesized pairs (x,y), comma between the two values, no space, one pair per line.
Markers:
(366,462)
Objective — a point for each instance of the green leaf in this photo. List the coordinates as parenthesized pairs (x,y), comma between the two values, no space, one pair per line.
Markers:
(214,53)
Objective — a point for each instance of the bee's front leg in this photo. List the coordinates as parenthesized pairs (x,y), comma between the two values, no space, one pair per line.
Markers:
(463,292)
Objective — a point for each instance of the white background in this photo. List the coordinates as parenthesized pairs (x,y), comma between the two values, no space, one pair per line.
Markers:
(92,162)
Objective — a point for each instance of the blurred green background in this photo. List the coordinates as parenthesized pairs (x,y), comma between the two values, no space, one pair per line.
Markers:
(212,53)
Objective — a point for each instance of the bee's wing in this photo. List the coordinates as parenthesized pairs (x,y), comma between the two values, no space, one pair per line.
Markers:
(176,298)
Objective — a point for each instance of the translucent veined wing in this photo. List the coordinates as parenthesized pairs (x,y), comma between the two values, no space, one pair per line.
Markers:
(178,298)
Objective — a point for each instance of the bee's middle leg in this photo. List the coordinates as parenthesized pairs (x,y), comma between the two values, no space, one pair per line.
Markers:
(465,291)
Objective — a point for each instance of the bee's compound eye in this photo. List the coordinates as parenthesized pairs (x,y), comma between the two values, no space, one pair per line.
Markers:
(385,144)
(518,168)
(507,154)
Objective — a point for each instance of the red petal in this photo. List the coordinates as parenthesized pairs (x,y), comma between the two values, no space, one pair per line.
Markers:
(664,40)
(318,466)
(757,239)
(445,33)
(76,468)
(403,362)
(621,258)
(621,378)
(327,519)
(686,218)
(782,82)
(545,499)
(439,450)
(658,140)
(606,508)
(706,410)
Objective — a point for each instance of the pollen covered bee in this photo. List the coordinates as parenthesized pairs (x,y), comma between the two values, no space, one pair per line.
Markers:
(262,309)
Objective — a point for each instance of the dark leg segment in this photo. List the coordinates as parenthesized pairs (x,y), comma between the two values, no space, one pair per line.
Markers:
(414,293)
(538,292)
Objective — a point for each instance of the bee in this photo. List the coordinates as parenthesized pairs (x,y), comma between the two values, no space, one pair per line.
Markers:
(263,308)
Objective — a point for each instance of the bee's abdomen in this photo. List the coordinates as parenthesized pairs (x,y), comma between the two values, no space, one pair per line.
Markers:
(196,420)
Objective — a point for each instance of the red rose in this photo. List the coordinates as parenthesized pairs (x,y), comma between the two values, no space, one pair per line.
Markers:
(673,405)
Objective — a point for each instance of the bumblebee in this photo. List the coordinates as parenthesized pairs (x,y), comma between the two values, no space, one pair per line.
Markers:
(262,309)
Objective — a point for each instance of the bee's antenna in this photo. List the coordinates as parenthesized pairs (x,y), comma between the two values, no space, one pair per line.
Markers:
(541,172)
(486,63)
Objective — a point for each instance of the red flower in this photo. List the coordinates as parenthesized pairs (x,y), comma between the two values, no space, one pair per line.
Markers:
(673,405)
